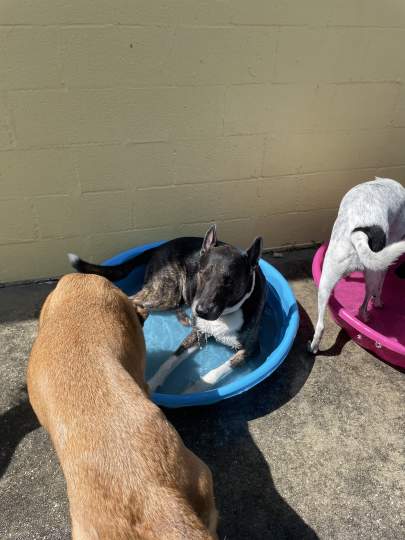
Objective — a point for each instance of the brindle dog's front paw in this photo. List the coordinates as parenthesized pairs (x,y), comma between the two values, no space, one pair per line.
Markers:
(183,318)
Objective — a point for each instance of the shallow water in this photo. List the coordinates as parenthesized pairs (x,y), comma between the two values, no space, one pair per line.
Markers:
(164,333)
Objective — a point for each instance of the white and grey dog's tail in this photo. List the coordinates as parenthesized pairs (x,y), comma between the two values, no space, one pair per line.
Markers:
(379,258)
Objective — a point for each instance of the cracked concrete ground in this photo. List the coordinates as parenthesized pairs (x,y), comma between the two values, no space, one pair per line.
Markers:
(315,451)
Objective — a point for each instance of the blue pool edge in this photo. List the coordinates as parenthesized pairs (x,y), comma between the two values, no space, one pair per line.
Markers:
(272,362)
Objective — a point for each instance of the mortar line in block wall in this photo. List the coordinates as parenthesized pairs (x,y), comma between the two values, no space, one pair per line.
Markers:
(84,25)
(10,122)
(19,242)
(301,212)
(37,226)
(228,25)
(331,171)
(212,137)
(218,222)
(83,144)
(54,279)
(265,178)
(252,180)
(379,169)
(275,54)
(63,87)
(106,190)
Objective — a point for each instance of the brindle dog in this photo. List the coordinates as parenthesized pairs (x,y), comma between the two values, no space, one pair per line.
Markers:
(223,285)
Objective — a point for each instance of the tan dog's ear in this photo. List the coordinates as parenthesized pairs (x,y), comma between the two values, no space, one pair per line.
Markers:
(142,313)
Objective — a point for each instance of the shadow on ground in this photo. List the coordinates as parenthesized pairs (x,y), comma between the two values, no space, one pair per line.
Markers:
(15,423)
(23,302)
(318,446)
(249,503)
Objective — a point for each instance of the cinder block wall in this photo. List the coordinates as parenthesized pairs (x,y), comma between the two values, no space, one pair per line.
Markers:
(124,122)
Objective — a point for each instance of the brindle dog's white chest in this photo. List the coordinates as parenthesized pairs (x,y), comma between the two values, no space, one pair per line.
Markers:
(225,329)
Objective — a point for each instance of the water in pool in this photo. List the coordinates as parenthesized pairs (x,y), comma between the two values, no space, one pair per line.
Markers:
(164,333)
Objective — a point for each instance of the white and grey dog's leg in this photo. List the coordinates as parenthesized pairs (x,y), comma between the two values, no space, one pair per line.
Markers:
(363,315)
(331,273)
(217,374)
(374,283)
(188,347)
(379,278)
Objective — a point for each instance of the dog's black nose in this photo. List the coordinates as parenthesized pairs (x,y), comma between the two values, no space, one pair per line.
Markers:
(202,311)
(209,312)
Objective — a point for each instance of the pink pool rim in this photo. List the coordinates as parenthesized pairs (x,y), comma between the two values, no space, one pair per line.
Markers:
(384,334)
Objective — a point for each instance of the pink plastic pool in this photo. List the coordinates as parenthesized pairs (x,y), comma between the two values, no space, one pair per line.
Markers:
(384,334)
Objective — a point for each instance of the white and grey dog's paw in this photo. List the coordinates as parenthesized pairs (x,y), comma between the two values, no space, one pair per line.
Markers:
(310,349)
(378,303)
(364,316)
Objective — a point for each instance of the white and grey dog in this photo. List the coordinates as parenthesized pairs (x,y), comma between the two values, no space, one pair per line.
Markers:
(366,236)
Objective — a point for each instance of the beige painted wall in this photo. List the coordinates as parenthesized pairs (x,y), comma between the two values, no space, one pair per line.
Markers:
(123,122)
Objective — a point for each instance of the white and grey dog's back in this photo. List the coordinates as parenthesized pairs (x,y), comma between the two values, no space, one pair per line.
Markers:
(371,219)
(377,202)
(367,236)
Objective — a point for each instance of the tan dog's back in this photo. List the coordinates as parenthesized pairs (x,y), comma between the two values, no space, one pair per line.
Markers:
(128,473)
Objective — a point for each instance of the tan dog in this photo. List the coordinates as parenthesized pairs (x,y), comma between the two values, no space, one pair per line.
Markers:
(128,473)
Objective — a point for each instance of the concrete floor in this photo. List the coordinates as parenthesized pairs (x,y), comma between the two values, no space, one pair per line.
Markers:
(315,451)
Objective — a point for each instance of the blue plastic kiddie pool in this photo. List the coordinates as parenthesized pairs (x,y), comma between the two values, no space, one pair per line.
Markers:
(163,334)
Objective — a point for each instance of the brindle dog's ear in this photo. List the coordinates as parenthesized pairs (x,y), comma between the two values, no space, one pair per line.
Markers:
(210,239)
(255,251)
